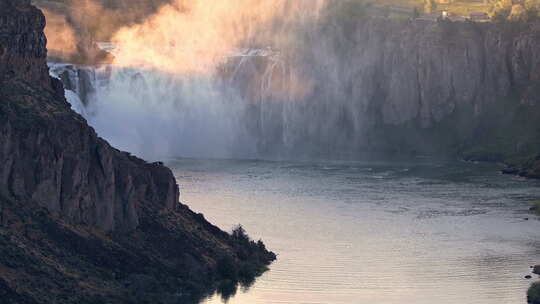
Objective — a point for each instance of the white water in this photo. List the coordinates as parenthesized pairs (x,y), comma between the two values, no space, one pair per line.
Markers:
(157,115)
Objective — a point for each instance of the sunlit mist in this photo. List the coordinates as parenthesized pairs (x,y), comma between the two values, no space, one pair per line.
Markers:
(197,36)
(61,41)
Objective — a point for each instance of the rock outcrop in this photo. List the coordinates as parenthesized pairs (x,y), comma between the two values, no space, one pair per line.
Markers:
(81,222)
(59,161)
(22,44)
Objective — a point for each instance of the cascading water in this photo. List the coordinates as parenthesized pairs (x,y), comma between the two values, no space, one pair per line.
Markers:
(254,105)
(326,88)
(247,102)
(157,115)
(340,86)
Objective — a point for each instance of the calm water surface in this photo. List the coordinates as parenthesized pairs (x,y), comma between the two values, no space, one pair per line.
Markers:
(374,232)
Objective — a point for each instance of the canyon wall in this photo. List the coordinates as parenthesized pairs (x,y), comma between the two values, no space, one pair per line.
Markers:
(344,85)
(49,153)
(389,87)
(82,222)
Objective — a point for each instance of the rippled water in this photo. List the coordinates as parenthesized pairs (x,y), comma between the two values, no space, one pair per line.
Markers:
(374,232)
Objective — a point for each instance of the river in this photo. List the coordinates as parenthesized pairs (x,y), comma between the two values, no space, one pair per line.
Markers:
(374,232)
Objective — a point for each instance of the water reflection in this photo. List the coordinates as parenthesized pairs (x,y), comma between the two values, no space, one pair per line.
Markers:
(376,233)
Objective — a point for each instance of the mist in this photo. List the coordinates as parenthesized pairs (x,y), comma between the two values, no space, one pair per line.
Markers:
(273,79)
(175,87)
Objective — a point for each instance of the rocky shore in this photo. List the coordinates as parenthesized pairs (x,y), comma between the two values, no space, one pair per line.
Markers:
(530,167)
(81,222)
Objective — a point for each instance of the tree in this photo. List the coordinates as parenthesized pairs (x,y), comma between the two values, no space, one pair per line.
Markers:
(240,234)
(430,6)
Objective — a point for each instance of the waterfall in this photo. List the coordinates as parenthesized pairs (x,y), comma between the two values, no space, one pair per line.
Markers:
(157,115)
(259,102)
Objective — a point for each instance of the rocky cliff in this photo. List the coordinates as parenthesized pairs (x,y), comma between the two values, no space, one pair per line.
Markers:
(81,222)
(348,87)
(472,89)
(22,48)
(454,88)
(50,155)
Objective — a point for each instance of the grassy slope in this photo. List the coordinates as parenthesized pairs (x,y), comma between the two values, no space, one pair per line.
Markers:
(461,8)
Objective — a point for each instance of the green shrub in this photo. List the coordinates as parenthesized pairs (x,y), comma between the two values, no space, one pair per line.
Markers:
(227,289)
(535,208)
(533,294)
(227,268)
(346,12)
(239,234)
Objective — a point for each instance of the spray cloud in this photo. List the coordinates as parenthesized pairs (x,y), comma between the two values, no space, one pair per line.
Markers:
(169,92)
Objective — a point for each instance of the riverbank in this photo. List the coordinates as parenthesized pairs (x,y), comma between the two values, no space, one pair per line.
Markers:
(441,223)
(529,168)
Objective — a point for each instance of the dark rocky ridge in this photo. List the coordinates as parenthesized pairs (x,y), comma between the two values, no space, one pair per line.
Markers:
(81,222)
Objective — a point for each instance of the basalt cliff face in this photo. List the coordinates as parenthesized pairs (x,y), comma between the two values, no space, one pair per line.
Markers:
(380,86)
(455,88)
(458,78)
(81,222)
(460,88)
(51,156)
